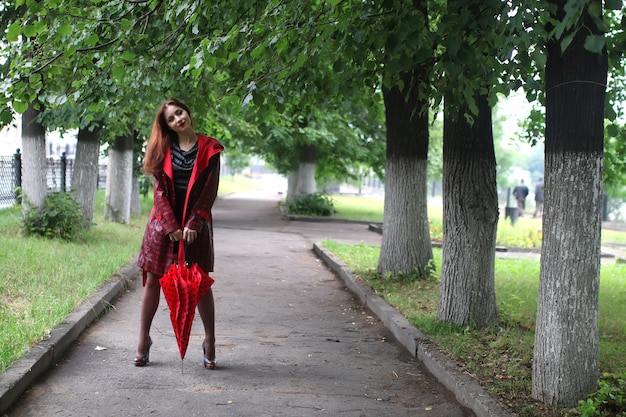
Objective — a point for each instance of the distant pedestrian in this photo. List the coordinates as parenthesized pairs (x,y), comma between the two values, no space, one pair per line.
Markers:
(521,192)
(539,198)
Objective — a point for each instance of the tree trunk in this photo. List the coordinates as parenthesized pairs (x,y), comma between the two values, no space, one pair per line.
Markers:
(85,177)
(292,181)
(306,172)
(406,247)
(470,219)
(565,366)
(119,180)
(34,165)
(135,201)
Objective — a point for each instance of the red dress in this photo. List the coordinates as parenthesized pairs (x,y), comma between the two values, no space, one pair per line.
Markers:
(157,250)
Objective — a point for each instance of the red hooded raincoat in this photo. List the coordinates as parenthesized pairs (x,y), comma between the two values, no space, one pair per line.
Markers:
(157,251)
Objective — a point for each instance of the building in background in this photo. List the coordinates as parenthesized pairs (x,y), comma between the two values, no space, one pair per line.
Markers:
(10,140)
(56,144)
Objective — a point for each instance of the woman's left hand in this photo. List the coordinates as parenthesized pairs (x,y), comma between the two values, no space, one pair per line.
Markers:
(189,235)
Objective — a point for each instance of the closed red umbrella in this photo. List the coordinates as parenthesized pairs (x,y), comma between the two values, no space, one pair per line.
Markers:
(183,287)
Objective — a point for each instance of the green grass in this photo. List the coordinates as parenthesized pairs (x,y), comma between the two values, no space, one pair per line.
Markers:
(237,183)
(526,233)
(43,280)
(358,208)
(613,236)
(501,358)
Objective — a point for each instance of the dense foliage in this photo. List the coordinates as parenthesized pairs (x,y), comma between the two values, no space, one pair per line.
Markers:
(316,204)
(60,218)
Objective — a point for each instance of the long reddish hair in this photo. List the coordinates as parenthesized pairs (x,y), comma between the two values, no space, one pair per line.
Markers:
(161,137)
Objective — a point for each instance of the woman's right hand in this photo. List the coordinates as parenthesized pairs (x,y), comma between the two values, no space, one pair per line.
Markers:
(176,235)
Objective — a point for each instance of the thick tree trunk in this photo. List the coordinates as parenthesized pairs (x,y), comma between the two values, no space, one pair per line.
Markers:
(406,245)
(119,180)
(85,177)
(565,366)
(34,165)
(306,173)
(470,219)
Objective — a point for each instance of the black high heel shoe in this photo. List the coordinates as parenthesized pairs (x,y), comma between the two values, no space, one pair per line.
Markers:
(208,363)
(145,359)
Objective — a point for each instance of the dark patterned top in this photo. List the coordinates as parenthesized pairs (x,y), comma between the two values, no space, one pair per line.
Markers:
(182,163)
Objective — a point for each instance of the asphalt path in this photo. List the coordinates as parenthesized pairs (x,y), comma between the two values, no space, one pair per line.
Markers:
(292,340)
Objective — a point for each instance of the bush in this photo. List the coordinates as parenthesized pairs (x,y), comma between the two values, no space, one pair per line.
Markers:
(315,204)
(60,217)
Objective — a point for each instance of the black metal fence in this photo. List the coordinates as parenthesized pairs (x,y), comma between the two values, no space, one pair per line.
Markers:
(10,178)
(59,176)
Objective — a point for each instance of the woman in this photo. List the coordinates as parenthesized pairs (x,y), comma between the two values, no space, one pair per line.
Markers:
(185,168)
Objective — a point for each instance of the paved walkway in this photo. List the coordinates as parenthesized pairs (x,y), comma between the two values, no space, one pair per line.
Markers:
(292,340)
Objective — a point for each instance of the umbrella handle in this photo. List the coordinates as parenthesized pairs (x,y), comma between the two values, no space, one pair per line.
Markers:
(182,256)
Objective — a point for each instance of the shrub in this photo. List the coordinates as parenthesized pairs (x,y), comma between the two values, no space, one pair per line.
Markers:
(60,217)
(315,204)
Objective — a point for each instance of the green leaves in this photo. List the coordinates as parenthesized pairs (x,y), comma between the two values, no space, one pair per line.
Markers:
(573,11)
(118,70)
(19,106)
(277,61)
(595,43)
(572,23)
(64,29)
(14,32)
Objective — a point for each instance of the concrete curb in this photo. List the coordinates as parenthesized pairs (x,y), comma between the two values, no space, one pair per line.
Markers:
(20,376)
(318,219)
(466,389)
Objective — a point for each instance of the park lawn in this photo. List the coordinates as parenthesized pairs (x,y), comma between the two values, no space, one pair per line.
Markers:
(237,183)
(361,208)
(500,357)
(526,233)
(371,208)
(43,280)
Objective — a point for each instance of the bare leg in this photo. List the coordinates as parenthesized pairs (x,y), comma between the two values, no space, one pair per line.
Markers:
(149,306)
(206,308)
